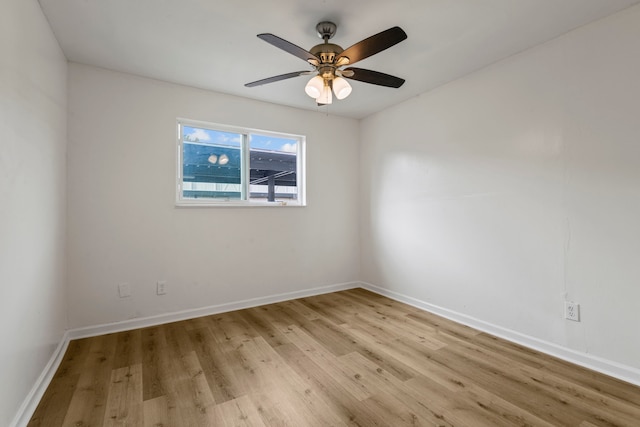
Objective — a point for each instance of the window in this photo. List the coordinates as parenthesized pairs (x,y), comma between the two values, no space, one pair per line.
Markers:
(224,165)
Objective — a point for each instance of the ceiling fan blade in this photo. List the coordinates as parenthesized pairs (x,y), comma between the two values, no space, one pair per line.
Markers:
(289,47)
(373,77)
(277,78)
(374,44)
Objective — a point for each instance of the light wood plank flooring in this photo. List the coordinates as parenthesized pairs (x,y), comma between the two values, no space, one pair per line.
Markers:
(347,358)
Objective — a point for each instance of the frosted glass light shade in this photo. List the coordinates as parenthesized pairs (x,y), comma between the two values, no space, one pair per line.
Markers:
(325,97)
(314,87)
(341,88)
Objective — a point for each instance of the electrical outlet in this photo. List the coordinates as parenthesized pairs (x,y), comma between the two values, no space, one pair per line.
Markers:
(161,287)
(572,311)
(124,290)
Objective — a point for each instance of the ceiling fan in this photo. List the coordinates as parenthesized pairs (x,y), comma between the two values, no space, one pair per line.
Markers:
(329,61)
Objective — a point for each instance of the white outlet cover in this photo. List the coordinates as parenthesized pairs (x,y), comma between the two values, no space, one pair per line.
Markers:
(124,290)
(572,311)
(161,287)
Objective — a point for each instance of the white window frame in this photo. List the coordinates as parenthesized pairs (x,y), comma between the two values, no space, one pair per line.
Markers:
(245,170)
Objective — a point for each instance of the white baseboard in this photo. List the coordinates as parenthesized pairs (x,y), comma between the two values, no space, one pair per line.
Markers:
(595,363)
(30,403)
(143,322)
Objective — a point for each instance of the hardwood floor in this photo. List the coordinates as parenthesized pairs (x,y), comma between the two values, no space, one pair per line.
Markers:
(347,358)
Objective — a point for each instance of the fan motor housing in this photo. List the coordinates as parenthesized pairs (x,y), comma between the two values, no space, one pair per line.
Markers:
(327,52)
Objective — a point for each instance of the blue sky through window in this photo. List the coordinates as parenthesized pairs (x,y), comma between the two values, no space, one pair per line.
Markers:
(260,142)
(213,137)
(263,142)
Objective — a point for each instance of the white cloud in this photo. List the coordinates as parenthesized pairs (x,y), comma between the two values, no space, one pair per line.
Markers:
(224,138)
(199,135)
(289,148)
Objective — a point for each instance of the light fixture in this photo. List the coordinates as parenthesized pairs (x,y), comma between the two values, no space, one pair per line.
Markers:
(319,87)
(314,87)
(341,88)
(213,159)
(223,160)
(325,96)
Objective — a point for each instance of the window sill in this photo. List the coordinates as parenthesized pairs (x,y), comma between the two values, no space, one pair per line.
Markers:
(237,204)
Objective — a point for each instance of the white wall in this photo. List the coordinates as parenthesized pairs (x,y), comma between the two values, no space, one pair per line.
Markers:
(498,194)
(32,199)
(124,227)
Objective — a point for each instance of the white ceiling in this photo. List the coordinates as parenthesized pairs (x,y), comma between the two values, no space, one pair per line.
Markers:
(212,44)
